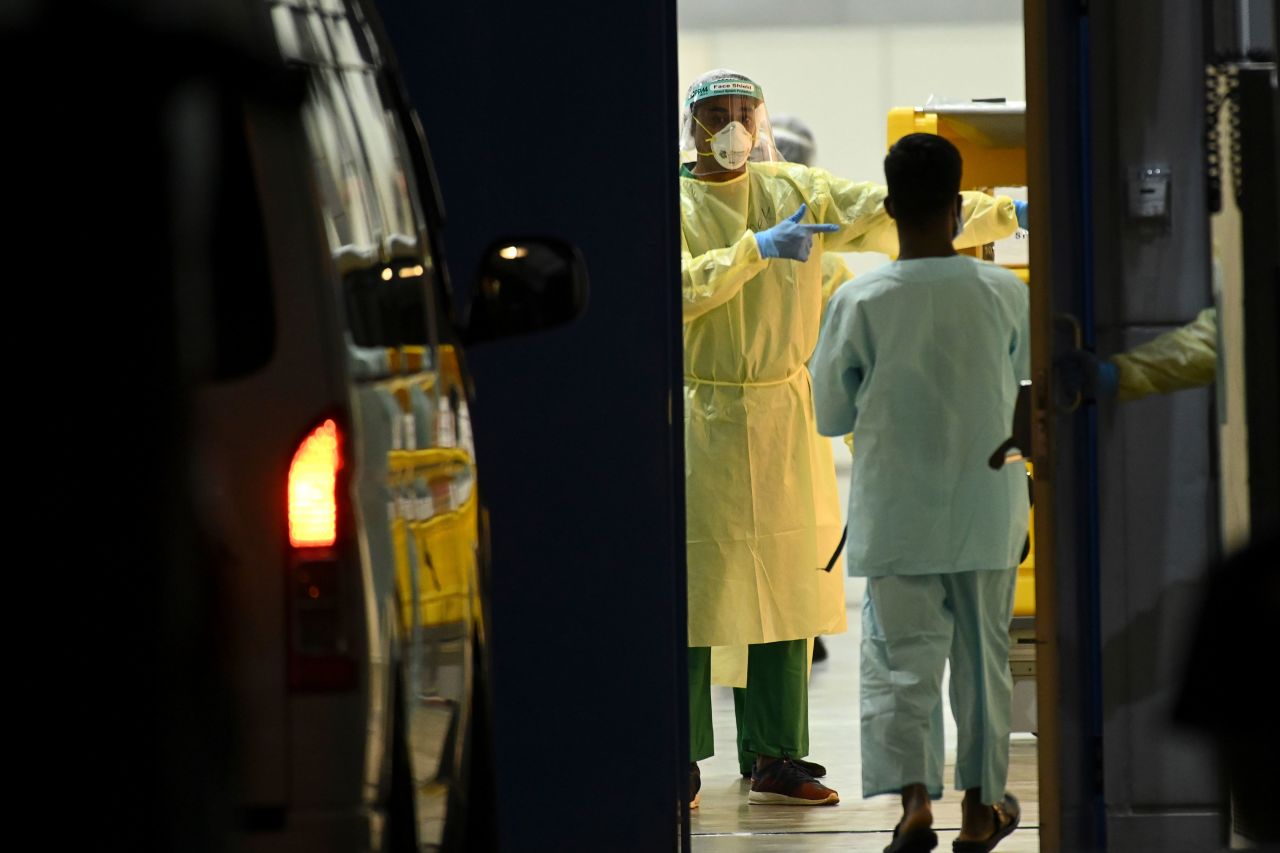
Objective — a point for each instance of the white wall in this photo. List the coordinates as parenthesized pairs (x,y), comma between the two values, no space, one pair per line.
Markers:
(843,79)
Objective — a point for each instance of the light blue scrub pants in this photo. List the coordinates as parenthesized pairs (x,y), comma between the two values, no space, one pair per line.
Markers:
(911,626)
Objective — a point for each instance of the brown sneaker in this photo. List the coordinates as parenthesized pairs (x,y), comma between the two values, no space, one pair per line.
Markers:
(695,785)
(783,783)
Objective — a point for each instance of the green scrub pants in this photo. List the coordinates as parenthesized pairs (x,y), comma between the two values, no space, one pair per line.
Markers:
(772,711)
(911,626)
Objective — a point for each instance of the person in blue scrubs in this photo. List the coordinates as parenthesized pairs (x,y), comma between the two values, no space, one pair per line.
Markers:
(921,359)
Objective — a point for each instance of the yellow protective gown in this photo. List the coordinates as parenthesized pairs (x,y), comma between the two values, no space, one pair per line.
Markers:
(729,663)
(762,508)
(835,272)
(1186,357)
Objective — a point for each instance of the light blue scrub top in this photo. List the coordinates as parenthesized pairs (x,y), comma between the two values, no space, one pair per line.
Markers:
(921,360)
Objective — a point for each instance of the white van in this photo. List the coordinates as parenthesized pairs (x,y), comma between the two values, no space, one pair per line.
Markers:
(338,463)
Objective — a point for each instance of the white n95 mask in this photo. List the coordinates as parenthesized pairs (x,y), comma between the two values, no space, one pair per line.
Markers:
(732,145)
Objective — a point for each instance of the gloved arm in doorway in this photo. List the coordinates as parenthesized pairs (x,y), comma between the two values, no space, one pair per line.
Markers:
(1186,357)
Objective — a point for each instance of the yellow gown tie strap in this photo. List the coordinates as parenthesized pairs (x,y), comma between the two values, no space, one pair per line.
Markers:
(694,380)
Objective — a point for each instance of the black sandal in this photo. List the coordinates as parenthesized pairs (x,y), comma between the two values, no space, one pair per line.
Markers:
(1010,811)
(922,839)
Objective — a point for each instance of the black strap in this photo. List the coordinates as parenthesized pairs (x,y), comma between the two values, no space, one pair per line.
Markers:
(998,460)
(832,562)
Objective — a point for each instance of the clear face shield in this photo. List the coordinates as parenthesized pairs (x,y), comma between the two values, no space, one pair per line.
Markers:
(793,139)
(725,125)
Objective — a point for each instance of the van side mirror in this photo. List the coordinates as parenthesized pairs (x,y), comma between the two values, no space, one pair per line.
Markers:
(526,285)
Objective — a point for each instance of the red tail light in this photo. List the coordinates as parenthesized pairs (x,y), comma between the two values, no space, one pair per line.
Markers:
(320,654)
(313,498)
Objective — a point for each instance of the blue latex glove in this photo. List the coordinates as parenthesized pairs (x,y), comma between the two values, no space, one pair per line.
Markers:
(1021,207)
(1081,372)
(790,238)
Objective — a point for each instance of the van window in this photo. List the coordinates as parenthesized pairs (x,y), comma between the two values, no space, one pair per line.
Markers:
(390,178)
(372,215)
(343,181)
